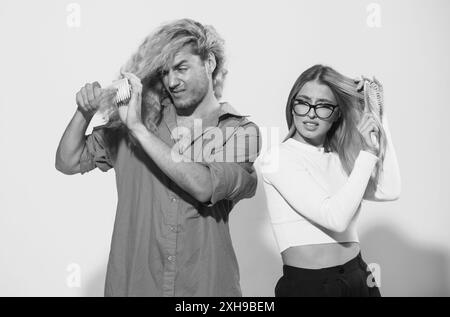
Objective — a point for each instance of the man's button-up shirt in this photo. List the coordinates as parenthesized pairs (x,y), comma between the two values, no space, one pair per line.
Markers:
(165,243)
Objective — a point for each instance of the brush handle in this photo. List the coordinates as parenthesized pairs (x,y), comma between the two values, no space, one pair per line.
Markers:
(374,137)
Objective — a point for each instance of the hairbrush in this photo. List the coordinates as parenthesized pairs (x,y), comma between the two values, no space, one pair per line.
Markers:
(374,101)
(373,97)
(123,93)
(115,95)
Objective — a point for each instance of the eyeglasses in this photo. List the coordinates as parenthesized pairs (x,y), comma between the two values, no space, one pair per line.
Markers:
(322,110)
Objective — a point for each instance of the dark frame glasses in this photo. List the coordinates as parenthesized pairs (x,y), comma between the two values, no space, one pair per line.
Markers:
(316,108)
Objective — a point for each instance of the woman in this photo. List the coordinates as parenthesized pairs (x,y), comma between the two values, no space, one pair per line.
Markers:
(327,165)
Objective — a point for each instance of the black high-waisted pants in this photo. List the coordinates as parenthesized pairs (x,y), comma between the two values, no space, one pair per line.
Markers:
(349,279)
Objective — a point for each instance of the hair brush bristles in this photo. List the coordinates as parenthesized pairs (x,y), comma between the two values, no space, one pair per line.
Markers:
(374,97)
(114,96)
(123,88)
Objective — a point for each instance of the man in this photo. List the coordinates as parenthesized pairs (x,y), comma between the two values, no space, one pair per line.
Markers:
(171,234)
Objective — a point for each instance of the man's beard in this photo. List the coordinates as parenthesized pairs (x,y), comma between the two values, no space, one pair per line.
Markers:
(188,105)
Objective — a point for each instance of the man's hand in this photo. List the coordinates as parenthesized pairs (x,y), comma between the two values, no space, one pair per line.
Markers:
(88,99)
(132,118)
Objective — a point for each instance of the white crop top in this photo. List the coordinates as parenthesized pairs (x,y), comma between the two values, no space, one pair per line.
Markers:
(310,198)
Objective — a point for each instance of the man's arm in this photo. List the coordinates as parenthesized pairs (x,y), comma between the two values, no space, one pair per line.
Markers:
(71,145)
(192,177)
(213,181)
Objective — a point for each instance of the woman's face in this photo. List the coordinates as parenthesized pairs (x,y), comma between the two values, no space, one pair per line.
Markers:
(311,127)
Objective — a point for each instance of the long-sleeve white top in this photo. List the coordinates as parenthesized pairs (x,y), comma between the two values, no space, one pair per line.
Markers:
(312,200)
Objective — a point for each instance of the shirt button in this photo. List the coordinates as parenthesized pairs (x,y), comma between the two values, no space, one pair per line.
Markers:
(173,228)
(173,199)
(171,258)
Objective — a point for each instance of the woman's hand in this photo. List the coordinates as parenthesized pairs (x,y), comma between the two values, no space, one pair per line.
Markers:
(369,132)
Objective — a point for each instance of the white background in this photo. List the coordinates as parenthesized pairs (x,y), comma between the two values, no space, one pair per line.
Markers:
(49,220)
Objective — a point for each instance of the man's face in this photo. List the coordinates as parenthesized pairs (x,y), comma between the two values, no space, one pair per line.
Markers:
(187,79)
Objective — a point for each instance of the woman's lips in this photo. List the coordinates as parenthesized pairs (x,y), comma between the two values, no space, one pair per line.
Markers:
(310,125)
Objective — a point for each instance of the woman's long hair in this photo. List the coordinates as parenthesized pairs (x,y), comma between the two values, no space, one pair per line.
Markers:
(343,136)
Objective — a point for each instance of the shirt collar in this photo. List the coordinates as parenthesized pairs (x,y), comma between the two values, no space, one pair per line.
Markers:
(212,119)
(225,111)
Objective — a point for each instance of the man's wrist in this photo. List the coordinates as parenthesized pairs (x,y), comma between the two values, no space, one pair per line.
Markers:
(85,116)
(139,131)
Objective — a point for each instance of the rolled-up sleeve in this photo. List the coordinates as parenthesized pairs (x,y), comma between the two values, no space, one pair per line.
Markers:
(95,152)
(231,167)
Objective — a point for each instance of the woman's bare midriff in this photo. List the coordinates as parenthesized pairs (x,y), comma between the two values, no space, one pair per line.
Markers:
(320,256)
